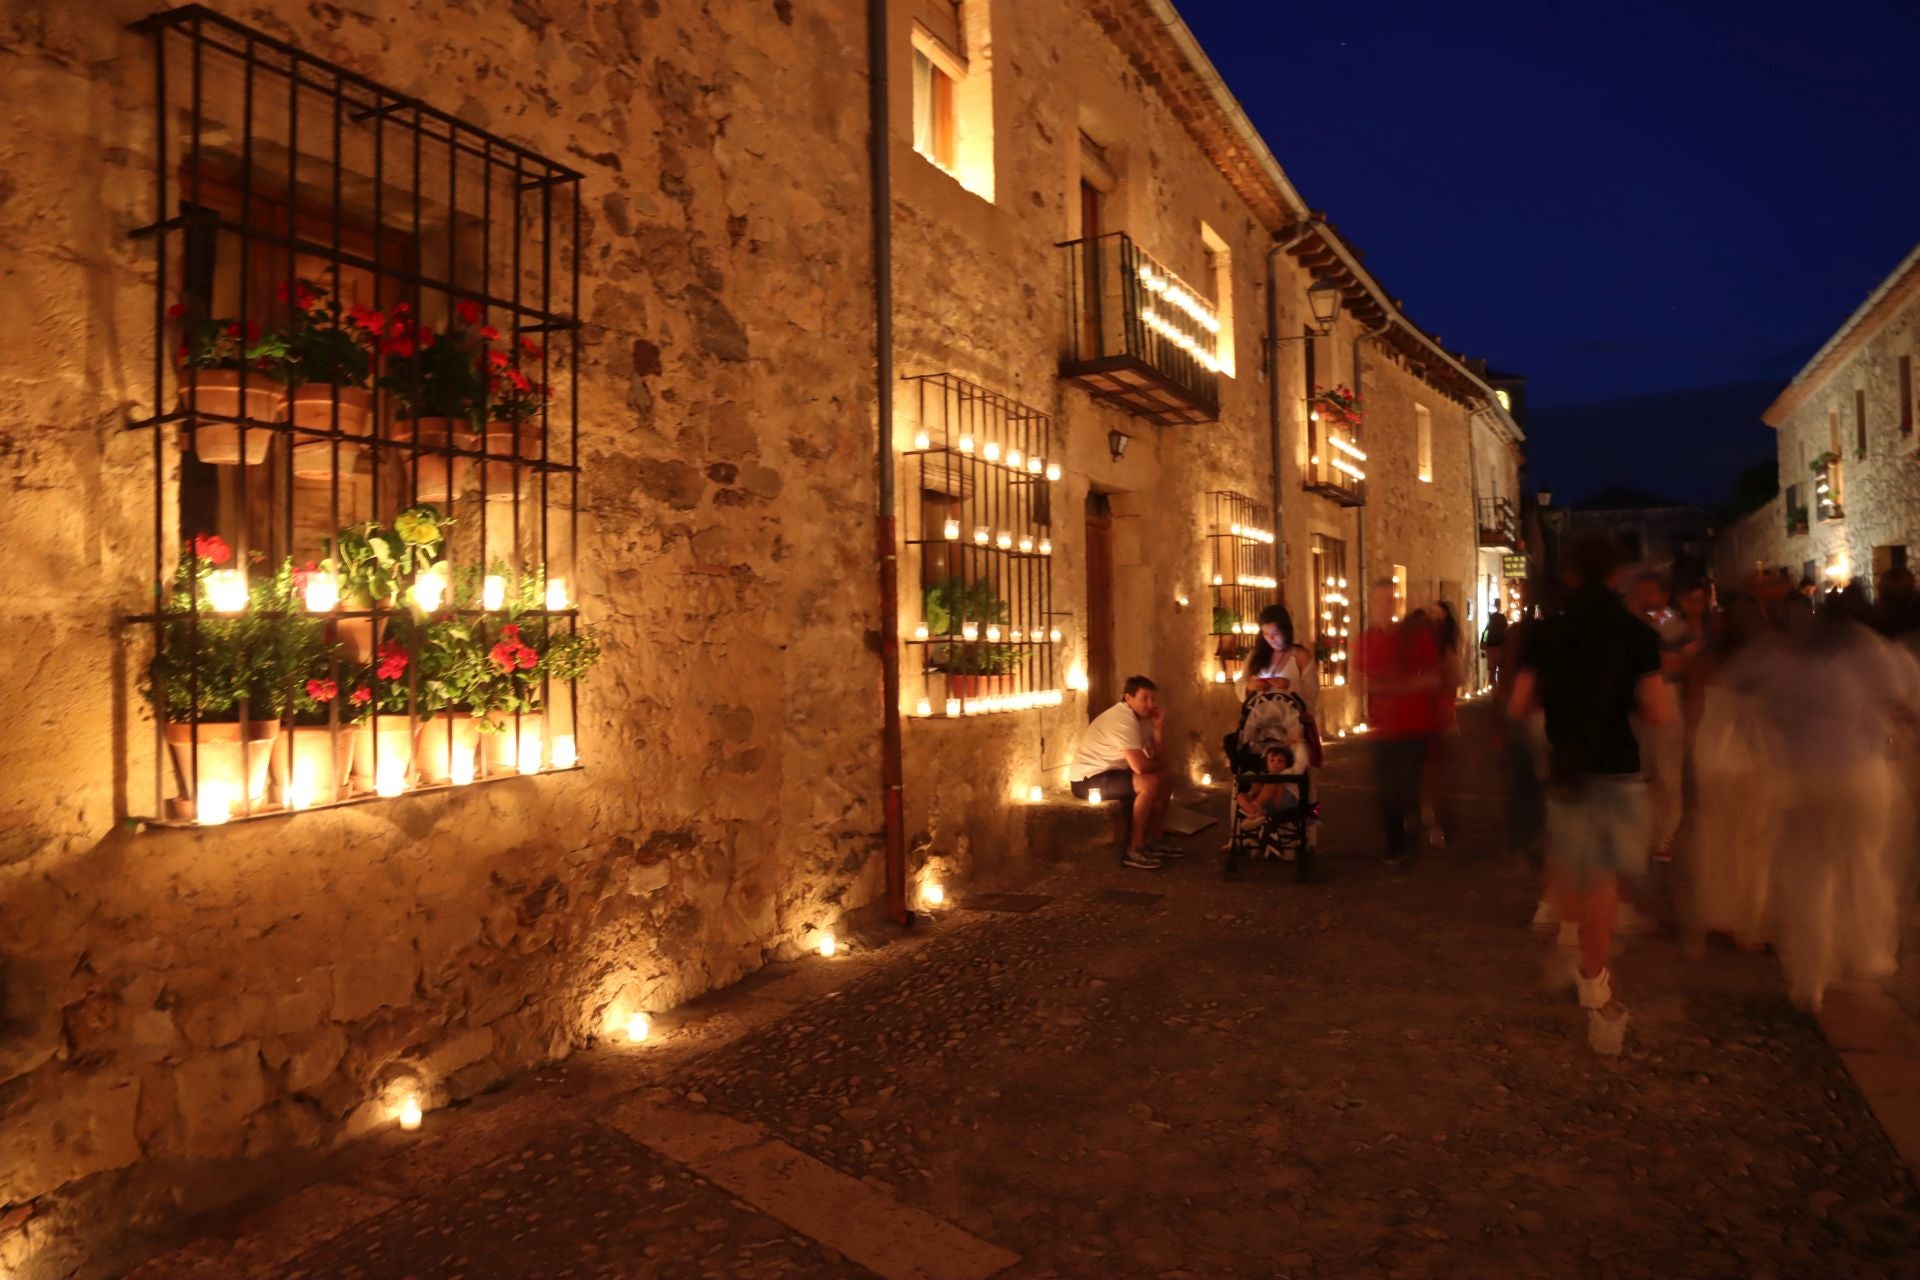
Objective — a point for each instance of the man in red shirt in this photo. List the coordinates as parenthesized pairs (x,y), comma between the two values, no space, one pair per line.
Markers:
(1401,664)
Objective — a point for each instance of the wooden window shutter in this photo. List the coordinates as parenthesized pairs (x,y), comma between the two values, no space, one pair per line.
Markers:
(942,21)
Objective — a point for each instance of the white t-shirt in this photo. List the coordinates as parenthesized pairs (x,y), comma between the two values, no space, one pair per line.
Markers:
(1105,744)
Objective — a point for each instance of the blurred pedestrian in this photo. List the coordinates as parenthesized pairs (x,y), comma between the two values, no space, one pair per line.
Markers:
(1436,805)
(1401,665)
(1739,763)
(1591,669)
(1662,746)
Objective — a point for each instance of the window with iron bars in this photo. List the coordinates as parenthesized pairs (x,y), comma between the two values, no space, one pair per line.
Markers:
(365,433)
(1241,542)
(1332,609)
(981,527)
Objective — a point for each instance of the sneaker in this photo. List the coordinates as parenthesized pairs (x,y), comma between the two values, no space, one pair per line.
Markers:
(1141,860)
(1595,993)
(1546,916)
(1607,1028)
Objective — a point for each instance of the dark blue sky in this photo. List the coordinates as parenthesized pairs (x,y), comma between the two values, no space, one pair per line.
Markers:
(1615,200)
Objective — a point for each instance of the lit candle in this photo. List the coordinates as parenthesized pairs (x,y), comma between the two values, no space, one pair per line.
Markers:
(564,754)
(214,804)
(462,769)
(933,894)
(993,632)
(991,451)
(323,593)
(1206,779)
(1077,678)
(1017,633)
(556,593)
(921,440)
(1093,795)
(527,758)
(1035,467)
(1053,634)
(1053,471)
(410,1113)
(828,943)
(493,592)
(982,535)
(638,1027)
(920,632)
(1046,546)
(430,588)
(227,591)
(1219,677)
(953,706)
(300,790)
(1026,544)
(924,707)
(1219,580)
(951,530)
(1035,795)
(1004,541)
(966,444)
(391,779)
(1013,459)
(969,631)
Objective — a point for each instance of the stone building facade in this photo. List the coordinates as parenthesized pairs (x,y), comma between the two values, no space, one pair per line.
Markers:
(1849,501)
(182,1000)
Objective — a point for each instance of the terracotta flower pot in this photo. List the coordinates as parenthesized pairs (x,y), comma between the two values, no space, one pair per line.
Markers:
(394,742)
(503,753)
(217,391)
(443,750)
(319,767)
(967,687)
(439,477)
(359,636)
(498,476)
(233,766)
(312,406)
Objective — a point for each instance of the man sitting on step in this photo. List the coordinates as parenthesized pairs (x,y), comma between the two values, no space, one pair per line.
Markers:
(1121,756)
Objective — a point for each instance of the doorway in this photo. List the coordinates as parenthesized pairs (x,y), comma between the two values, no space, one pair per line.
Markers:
(1100,677)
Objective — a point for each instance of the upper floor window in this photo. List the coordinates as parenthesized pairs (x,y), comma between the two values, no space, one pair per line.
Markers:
(1423,441)
(1220,266)
(953,91)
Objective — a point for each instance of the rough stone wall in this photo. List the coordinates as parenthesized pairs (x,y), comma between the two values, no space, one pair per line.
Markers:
(175,999)
(1757,539)
(1882,488)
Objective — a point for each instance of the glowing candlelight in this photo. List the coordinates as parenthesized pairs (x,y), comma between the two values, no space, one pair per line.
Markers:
(1093,795)
(430,588)
(828,944)
(322,593)
(638,1027)
(227,591)
(391,779)
(1046,546)
(970,631)
(1035,467)
(933,894)
(556,593)
(1053,471)
(1053,634)
(952,530)
(214,804)
(1004,541)
(1219,677)
(1026,544)
(982,535)
(1013,458)
(966,444)
(462,772)
(924,707)
(921,440)
(300,790)
(1035,795)
(410,1113)
(993,633)
(1206,779)
(953,706)
(564,755)
(493,592)
(920,632)
(528,757)
(1077,678)
(991,452)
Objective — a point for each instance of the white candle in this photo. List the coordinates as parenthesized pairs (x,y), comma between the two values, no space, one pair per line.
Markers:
(638,1028)
(953,706)
(410,1113)
(924,707)
(556,593)
(1093,795)
(322,593)
(493,592)
(564,755)
(430,588)
(214,804)
(227,591)
(952,530)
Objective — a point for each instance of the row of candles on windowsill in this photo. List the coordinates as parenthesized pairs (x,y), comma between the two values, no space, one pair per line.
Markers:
(1010,457)
(1250,533)
(1025,543)
(991,704)
(227,591)
(218,800)
(1246,580)
(972,631)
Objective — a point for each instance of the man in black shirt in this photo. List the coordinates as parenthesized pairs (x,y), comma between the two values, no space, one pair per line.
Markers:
(1591,668)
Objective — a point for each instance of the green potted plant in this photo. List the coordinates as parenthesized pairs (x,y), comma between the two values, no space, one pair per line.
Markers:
(451,653)
(380,706)
(438,383)
(956,607)
(328,365)
(221,679)
(370,562)
(229,371)
(514,428)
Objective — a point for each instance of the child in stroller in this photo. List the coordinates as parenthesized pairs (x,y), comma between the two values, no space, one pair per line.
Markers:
(1270,754)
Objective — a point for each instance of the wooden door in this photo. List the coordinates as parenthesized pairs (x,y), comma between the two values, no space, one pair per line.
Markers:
(1102,688)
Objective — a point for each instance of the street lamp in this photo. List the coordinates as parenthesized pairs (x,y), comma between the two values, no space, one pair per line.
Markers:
(1546,497)
(1324,299)
(1117,442)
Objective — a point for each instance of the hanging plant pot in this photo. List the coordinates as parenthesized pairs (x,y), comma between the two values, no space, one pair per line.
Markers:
(504,753)
(217,391)
(499,478)
(234,760)
(313,406)
(320,766)
(392,740)
(439,477)
(444,749)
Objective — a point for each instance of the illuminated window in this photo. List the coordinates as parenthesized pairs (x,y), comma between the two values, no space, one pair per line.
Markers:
(1423,441)
(1220,261)
(953,91)
(1399,592)
(933,132)
(1332,609)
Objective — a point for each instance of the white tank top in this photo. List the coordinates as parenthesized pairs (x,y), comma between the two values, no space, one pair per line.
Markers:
(1289,670)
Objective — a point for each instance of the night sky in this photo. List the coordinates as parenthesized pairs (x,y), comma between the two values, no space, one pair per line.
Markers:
(1655,211)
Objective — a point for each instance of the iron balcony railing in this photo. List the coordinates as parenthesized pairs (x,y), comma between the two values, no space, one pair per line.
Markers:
(1138,335)
(1499,524)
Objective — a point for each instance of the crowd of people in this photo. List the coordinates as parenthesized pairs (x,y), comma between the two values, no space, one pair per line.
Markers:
(1768,736)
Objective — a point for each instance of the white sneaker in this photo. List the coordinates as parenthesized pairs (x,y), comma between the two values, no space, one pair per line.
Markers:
(1595,993)
(1545,916)
(1607,1028)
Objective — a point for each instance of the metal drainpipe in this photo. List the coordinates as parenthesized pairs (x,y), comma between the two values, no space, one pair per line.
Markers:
(1360,521)
(891,747)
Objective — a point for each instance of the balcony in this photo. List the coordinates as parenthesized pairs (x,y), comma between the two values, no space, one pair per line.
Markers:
(1138,336)
(1499,526)
(1335,461)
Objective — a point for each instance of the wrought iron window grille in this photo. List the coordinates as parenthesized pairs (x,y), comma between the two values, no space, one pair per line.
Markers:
(372,309)
(1332,610)
(1241,581)
(981,472)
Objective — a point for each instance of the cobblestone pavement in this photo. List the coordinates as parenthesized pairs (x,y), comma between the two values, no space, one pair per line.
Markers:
(1186,1078)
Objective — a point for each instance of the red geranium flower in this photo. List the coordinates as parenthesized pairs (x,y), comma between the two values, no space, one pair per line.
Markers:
(531,347)
(322,690)
(501,655)
(488,332)
(360,697)
(176,311)
(469,312)
(393,661)
(511,632)
(499,359)
(528,658)
(212,548)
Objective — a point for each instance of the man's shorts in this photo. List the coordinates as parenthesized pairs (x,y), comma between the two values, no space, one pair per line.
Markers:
(1114,784)
(1598,828)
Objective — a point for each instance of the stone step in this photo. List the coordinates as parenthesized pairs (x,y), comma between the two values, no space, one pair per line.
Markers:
(1067,830)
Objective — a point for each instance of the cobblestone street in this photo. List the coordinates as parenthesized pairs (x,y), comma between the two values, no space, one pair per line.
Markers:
(1166,1076)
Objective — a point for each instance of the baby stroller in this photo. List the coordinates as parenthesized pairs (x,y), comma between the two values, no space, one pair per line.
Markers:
(1272,720)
